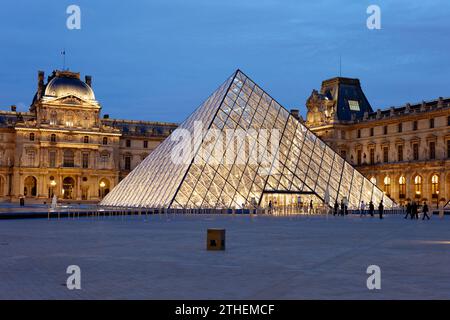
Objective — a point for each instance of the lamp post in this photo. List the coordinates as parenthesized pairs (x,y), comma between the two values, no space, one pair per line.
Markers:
(437,199)
(102,185)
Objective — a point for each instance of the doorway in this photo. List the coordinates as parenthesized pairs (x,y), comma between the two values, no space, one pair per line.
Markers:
(68,188)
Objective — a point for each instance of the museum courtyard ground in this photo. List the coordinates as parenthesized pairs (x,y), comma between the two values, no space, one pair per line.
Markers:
(267,257)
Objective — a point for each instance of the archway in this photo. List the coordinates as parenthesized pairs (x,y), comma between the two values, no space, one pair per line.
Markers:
(103,188)
(68,188)
(30,187)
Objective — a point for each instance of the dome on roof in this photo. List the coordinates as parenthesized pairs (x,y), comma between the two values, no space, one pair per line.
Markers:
(68,83)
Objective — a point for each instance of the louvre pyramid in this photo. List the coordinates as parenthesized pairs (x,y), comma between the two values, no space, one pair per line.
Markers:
(301,164)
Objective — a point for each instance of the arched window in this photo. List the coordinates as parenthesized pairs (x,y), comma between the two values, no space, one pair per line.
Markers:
(373,180)
(387,185)
(435,186)
(402,187)
(105,141)
(69,158)
(418,186)
(31,136)
(86,139)
(53,137)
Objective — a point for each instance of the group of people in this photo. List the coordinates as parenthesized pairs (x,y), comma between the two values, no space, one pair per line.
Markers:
(412,210)
(344,210)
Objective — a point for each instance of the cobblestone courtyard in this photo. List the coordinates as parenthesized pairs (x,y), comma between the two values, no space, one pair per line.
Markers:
(164,257)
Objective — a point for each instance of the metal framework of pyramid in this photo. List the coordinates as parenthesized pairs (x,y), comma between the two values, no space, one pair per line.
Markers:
(305,164)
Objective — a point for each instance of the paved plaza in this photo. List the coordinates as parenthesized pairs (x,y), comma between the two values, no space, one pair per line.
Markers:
(164,257)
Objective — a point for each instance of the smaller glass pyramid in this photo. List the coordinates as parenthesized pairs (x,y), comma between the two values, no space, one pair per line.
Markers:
(252,149)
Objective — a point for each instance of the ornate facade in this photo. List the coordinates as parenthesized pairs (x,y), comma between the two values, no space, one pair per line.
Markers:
(62,146)
(404,150)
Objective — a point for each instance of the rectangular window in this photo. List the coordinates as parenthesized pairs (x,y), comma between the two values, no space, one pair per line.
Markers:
(85,160)
(358,157)
(415,125)
(52,159)
(128,143)
(145,144)
(342,134)
(371,132)
(415,151)
(385,154)
(358,134)
(372,156)
(31,158)
(432,150)
(127,163)
(431,123)
(400,127)
(353,105)
(400,152)
(385,130)
(448,149)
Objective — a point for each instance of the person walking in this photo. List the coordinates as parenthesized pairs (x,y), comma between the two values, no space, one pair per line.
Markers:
(342,212)
(371,208)
(270,207)
(311,207)
(362,208)
(414,213)
(408,210)
(336,207)
(381,209)
(425,211)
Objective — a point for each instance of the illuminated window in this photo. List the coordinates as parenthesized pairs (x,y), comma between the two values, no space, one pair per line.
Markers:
(418,186)
(53,118)
(435,185)
(402,187)
(353,105)
(387,185)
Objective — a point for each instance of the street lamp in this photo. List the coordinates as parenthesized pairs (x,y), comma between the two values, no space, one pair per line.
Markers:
(102,185)
(437,199)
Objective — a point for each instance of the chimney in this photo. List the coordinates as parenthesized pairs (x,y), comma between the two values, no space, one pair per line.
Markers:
(295,114)
(13,108)
(40,83)
(106,116)
(88,80)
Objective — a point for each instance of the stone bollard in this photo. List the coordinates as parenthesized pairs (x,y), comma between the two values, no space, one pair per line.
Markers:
(215,239)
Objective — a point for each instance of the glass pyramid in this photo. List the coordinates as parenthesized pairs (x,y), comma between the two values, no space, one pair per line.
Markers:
(212,177)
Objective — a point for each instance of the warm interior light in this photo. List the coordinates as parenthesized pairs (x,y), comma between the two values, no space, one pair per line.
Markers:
(53,183)
(102,184)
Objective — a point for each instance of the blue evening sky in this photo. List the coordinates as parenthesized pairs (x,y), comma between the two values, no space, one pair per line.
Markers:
(159,59)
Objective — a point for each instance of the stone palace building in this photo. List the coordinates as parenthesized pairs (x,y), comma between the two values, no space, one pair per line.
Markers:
(404,150)
(62,145)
